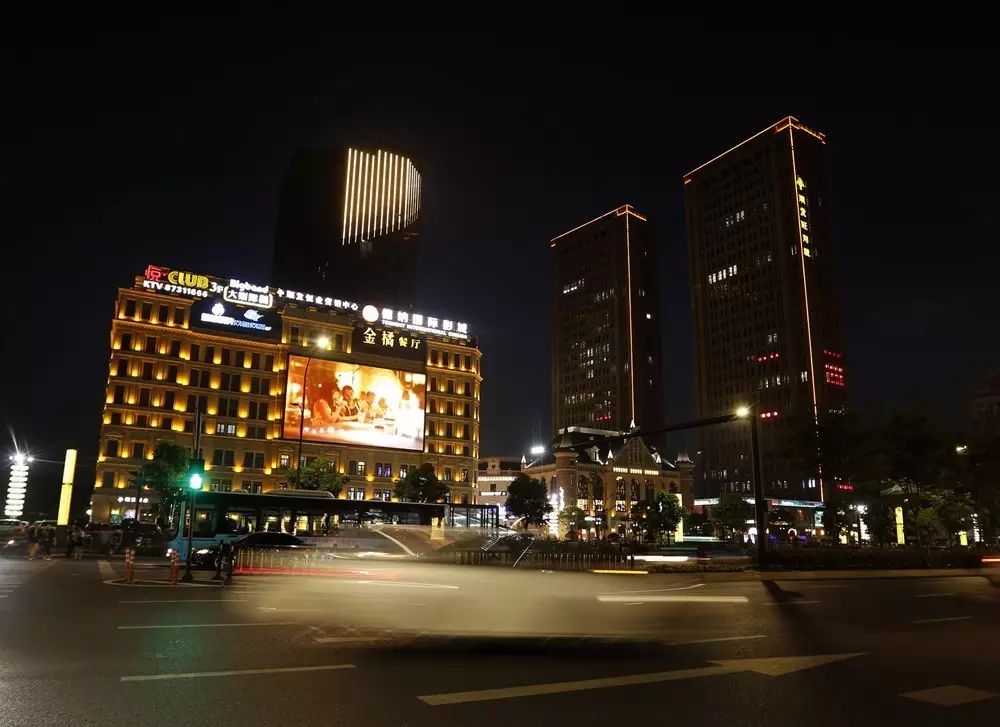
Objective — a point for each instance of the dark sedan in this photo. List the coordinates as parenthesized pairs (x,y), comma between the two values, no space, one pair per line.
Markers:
(205,557)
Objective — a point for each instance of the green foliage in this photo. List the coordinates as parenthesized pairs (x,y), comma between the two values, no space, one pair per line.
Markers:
(571,522)
(421,484)
(165,475)
(697,523)
(732,513)
(319,474)
(528,498)
(658,518)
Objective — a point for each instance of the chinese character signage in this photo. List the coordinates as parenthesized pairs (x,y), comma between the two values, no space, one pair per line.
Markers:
(351,404)
(403,324)
(395,342)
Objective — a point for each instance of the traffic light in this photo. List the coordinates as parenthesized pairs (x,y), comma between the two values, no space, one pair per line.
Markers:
(195,474)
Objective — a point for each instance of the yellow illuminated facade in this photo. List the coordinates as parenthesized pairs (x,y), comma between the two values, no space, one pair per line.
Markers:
(169,357)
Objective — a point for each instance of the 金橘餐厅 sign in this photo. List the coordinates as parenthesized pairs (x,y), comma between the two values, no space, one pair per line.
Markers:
(219,315)
(388,342)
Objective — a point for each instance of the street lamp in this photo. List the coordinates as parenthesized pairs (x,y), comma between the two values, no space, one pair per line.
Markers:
(743,412)
(760,509)
(961,448)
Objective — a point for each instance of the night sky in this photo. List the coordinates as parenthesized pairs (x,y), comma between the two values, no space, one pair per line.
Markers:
(167,145)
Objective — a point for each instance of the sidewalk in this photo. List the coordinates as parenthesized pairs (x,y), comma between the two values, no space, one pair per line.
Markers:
(991,574)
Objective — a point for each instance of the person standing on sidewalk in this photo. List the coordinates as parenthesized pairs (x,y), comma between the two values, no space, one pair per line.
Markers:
(77,542)
(32,541)
(48,537)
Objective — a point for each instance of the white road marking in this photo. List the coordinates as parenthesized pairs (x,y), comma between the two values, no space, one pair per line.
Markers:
(785,603)
(348,640)
(940,620)
(673,599)
(934,595)
(239,672)
(658,590)
(721,638)
(770,667)
(401,545)
(206,626)
(192,600)
(292,610)
(816,588)
(951,695)
(406,584)
(107,572)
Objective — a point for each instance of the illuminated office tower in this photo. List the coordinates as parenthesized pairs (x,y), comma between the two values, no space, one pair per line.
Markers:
(348,224)
(606,365)
(766,320)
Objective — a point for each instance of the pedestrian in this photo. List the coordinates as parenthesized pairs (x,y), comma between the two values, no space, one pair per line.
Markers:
(77,543)
(71,542)
(48,538)
(32,541)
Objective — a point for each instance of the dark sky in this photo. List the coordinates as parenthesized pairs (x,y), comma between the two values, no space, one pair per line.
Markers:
(167,144)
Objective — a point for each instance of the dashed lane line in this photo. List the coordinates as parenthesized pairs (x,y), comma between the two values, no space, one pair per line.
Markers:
(206,626)
(238,672)
(941,620)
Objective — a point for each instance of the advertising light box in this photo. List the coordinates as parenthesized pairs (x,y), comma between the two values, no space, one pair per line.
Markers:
(347,403)
(236,320)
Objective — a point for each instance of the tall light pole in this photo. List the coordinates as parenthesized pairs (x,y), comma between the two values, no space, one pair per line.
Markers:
(17,484)
(760,506)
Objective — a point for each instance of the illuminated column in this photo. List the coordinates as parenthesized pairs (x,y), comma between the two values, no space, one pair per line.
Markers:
(66,495)
(679,532)
(17,485)
(900,535)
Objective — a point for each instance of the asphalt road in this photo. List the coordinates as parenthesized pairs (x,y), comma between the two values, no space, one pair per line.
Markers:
(403,643)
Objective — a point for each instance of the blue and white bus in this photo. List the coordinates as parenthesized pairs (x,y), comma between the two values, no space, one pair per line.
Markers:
(310,514)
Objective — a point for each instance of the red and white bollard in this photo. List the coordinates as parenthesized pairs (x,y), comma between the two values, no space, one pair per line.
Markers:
(129,564)
(173,567)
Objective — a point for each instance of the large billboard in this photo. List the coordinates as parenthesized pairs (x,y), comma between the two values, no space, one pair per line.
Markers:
(347,403)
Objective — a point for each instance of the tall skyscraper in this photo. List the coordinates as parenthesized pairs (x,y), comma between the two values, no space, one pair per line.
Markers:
(348,224)
(766,318)
(606,366)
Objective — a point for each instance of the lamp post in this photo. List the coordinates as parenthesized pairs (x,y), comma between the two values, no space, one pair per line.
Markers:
(760,507)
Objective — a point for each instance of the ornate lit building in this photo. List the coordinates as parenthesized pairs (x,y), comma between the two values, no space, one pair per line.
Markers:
(270,369)
(605,474)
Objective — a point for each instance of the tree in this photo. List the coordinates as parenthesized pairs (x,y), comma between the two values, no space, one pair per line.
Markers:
(732,513)
(165,473)
(954,511)
(880,519)
(421,484)
(527,498)
(319,474)
(572,519)
(697,523)
(665,513)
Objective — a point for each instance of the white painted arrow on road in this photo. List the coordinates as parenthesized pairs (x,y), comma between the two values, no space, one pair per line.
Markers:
(776,666)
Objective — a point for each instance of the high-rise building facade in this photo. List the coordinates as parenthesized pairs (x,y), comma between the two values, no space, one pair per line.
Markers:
(606,357)
(348,224)
(766,317)
(280,376)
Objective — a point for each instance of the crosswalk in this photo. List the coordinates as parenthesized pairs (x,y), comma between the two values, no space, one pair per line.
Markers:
(15,573)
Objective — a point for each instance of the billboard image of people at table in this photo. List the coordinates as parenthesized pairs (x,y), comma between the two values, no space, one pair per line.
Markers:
(350,403)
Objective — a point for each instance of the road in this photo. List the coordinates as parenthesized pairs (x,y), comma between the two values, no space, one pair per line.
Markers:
(403,643)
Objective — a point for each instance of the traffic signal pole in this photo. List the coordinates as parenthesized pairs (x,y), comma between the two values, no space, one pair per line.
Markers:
(193,482)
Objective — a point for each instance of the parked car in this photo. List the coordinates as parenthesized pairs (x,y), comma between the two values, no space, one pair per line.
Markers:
(9,528)
(205,557)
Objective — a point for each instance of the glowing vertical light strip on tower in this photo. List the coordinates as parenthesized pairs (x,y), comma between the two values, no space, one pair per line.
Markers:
(805,302)
(17,485)
(359,164)
(379,201)
(355,197)
(392,193)
(399,209)
(631,330)
(347,197)
(406,195)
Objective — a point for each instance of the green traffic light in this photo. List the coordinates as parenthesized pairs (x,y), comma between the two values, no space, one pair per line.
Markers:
(194,481)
